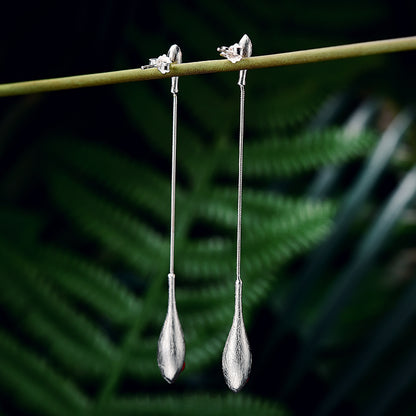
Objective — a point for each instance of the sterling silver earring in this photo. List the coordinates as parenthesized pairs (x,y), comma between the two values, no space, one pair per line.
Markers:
(171,345)
(236,357)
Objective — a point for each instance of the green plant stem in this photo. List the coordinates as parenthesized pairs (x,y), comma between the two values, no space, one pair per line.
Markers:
(205,67)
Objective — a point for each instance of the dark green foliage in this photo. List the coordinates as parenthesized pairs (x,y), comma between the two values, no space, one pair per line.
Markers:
(120,206)
(207,405)
(84,261)
(69,295)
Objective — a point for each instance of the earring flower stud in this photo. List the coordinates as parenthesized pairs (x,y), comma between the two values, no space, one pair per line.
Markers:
(162,63)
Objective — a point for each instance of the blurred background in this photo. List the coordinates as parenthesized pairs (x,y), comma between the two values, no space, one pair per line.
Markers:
(329,250)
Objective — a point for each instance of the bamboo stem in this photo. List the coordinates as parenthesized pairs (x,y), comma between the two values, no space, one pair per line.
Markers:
(205,67)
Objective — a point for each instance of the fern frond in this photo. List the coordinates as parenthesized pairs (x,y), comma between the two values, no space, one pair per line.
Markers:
(191,404)
(214,309)
(86,282)
(209,259)
(284,157)
(35,384)
(259,206)
(69,336)
(267,242)
(272,250)
(137,183)
(77,358)
(135,242)
(208,296)
(207,347)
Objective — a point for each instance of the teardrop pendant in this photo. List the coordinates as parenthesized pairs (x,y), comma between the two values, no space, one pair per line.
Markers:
(236,357)
(171,345)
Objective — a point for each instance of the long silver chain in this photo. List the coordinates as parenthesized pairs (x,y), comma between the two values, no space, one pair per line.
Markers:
(240,181)
(173,184)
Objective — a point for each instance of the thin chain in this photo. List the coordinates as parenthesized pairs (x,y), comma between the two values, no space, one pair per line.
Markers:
(240,181)
(173,185)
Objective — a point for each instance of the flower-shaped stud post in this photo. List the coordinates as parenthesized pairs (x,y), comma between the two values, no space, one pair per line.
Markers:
(232,53)
(162,63)
(236,52)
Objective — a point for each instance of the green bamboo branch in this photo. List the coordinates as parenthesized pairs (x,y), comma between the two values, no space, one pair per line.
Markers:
(205,67)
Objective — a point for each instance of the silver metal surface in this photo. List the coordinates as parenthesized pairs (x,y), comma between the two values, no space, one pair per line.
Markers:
(175,55)
(236,52)
(246,51)
(236,357)
(163,62)
(171,345)
(240,181)
(173,184)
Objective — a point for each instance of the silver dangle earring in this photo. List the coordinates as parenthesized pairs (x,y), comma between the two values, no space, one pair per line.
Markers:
(171,345)
(236,357)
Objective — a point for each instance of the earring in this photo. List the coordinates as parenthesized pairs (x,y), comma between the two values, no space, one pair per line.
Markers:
(236,357)
(171,345)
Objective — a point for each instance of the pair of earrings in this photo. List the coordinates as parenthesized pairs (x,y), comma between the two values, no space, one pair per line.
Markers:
(236,357)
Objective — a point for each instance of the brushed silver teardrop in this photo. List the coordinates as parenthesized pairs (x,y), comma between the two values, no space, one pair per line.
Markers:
(236,357)
(171,345)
